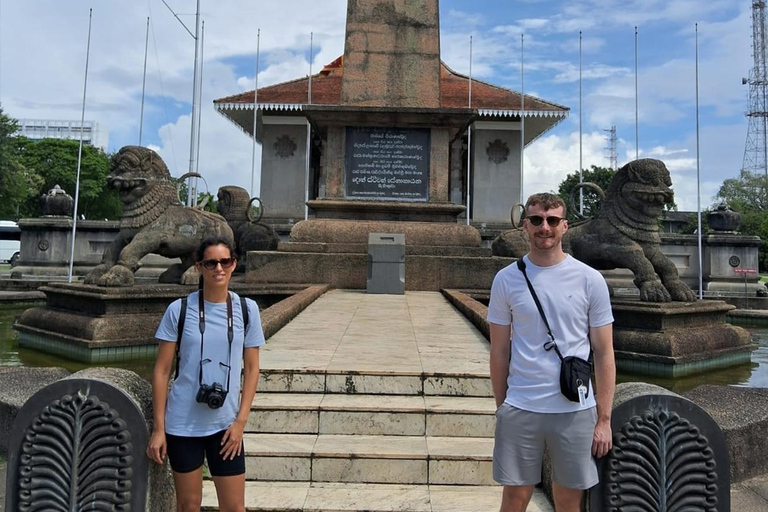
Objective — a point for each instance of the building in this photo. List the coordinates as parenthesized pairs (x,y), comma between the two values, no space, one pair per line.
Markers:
(36,129)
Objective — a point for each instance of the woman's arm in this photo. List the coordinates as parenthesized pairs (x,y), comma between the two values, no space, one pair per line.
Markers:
(166,351)
(232,440)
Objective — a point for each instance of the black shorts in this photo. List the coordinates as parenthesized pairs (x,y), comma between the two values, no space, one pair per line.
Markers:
(186,454)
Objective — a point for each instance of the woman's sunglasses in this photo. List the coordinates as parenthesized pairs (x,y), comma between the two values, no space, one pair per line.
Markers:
(224,262)
(552,220)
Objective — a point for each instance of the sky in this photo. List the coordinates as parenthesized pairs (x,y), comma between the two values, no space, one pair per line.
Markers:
(43,55)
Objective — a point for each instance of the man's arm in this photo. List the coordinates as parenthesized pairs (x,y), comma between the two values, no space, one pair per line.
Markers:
(500,346)
(605,385)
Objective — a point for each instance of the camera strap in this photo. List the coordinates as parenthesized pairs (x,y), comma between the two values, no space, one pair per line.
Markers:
(230,335)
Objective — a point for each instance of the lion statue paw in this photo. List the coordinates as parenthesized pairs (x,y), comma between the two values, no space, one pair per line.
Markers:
(681,292)
(654,291)
(116,276)
(95,274)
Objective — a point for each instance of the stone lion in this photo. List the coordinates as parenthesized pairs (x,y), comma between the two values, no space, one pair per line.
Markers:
(624,234)
(250,235)
(153,222)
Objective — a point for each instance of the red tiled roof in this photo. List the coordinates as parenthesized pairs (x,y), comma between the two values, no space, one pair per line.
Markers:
(326,90)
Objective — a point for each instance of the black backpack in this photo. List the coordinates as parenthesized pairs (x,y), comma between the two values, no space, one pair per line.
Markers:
(182,319)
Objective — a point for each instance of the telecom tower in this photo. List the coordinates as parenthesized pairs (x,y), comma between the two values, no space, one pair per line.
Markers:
(613,155)
(755,150)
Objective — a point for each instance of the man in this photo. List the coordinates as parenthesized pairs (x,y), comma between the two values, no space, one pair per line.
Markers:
(532,411)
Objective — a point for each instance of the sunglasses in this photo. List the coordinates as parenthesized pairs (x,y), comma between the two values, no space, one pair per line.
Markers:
(552,220)
(224,262)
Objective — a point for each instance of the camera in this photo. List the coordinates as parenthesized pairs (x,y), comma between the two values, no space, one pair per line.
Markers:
(213,395)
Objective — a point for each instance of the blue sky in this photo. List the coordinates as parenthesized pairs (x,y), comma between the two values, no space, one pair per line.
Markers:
(42,57)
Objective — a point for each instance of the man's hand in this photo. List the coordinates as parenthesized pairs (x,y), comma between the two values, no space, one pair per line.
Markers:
(232,442)
(602,439)
(156,449)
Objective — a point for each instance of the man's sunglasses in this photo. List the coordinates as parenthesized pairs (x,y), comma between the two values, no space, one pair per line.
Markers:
(552,220)
(224,262)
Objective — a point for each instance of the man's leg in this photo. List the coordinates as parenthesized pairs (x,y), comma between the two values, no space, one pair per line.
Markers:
(566,499)
(516,498)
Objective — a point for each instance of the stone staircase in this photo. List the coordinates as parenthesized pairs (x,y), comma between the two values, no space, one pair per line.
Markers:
(344,421)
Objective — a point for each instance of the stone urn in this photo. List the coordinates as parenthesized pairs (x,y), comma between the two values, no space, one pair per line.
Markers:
(724,219)
(57,203)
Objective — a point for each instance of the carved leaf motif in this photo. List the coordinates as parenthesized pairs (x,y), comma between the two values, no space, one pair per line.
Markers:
(76,456)
(660,462)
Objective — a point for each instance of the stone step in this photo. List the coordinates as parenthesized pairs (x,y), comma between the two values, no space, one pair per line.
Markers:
(369,459)
(375,383)
(334,497)
(314,413)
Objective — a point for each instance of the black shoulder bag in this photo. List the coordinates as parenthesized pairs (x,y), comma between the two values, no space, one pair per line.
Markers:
(574,371)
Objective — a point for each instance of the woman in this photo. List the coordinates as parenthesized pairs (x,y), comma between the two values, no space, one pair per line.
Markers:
(204,415)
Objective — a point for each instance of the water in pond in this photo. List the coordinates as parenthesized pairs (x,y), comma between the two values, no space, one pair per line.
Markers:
(752,374)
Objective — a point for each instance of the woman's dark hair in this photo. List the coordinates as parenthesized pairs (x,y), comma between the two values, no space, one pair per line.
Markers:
(216,240)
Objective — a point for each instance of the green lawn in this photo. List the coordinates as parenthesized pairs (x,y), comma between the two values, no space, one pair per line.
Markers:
(764,278)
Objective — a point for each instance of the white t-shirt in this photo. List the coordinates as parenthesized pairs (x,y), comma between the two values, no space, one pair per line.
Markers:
(184,416)
(574,297)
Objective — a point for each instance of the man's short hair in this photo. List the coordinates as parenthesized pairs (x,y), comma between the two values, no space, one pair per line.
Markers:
(548,200)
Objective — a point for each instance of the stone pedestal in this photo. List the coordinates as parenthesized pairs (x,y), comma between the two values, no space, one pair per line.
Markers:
(675,339)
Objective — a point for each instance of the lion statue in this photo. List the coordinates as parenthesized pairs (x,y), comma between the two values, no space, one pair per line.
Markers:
(153,222)
(250,235)
(624,234)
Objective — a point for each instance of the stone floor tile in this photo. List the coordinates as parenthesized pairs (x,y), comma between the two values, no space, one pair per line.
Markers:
(381,447)
(370,497)
(279,445)
(460,448)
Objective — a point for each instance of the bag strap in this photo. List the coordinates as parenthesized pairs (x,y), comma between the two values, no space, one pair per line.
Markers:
(179,332)
(244,309)
(551,343)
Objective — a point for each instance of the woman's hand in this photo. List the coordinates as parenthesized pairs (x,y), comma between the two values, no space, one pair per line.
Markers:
(232,442)
(156,449)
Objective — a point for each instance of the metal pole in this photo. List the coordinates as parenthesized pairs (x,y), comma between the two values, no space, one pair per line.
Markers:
(698,172)
(144,83)
(79,154)
(311,51)
(581,166)
(255,111)
(199,114)
(637,132)
(306,174)
(522,113)
(193,136)
(469,139)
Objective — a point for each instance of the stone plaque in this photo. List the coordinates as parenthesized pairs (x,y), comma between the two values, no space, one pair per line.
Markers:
(387,164)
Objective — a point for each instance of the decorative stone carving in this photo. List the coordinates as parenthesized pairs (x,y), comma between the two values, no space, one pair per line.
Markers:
(57,203)
(153,222)
(285,146)
(235,206)
(498,151)
(668,455)
(43,245)
(624,234)
(724,219)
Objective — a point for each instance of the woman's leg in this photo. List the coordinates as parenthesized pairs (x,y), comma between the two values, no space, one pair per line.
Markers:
(231,492)
(189,490)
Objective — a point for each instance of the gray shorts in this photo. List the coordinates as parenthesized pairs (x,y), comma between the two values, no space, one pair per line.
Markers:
(520,440)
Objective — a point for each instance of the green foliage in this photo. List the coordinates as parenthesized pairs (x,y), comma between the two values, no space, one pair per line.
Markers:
(55,161)
(17,183)
(601,176)
(211,206)
(748,195)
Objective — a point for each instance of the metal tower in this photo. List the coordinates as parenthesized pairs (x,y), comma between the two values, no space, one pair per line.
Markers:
(756,149)
(613,154)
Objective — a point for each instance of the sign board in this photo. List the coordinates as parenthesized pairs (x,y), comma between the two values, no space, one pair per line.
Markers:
(745,270)
(390,164)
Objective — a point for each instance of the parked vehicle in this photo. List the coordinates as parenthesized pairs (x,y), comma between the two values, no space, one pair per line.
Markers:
(10,245)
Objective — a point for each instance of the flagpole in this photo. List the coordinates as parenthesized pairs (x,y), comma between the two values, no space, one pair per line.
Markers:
(199,95)
(144,83)
(522,113)
(581,166)
(698,172)
(195,111)
(637,131)
(79,153)
(255,112)
(311,51)
(469,139)
(309,127)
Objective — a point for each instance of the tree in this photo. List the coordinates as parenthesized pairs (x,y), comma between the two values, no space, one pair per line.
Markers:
(601,176)
(17,183)
(55,161)
(748,195)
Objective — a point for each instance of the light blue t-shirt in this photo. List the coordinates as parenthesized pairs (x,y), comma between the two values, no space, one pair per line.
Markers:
(184,416)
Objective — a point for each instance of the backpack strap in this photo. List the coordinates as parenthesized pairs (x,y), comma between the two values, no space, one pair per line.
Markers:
(244,309)
(179,332)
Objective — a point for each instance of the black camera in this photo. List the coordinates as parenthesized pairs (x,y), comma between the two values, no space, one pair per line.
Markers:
(213,395)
